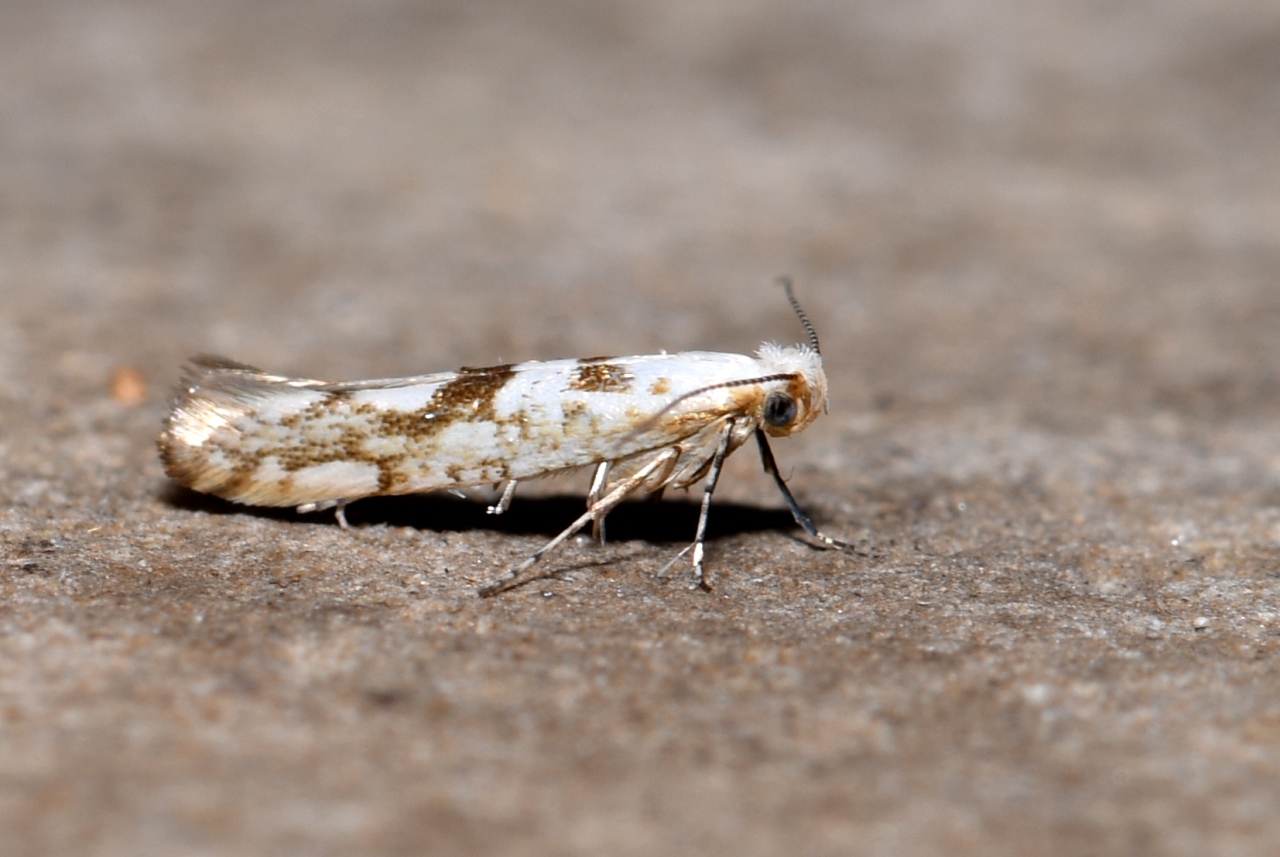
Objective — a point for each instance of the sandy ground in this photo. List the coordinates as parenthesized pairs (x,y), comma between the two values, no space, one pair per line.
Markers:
(1041,243)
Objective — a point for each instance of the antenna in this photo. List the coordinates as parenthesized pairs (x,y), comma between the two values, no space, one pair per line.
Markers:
(785,282)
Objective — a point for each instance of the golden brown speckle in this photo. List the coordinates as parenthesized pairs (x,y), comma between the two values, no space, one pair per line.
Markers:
(595,377)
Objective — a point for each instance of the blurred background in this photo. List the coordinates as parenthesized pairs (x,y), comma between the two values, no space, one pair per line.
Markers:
(1040,242)
(970,196)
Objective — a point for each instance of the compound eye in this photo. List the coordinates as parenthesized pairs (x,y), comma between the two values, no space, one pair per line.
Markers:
(779,410)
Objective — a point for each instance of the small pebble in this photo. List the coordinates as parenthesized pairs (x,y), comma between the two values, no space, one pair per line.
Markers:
(128,386)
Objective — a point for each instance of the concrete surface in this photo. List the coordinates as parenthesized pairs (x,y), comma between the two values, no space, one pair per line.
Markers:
(1041,242)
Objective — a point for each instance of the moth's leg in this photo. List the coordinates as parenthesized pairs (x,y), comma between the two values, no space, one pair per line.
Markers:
(662,572)
(520,574)
(504,502)
(771,467)
(713,476)
(339,507)
(659,479)
(593,497)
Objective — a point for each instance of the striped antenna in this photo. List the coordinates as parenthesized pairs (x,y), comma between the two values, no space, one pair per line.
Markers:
(785,282)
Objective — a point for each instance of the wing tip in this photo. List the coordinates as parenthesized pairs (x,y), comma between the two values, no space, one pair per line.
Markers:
(212,392)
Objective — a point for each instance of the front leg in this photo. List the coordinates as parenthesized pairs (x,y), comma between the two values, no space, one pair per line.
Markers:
(806,523)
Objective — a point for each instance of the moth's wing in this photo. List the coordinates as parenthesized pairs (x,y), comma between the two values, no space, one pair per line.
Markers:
(249,436)
(215,392)
(397,383)
(202,363)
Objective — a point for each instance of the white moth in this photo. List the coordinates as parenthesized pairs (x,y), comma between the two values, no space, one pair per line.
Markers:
(645,423)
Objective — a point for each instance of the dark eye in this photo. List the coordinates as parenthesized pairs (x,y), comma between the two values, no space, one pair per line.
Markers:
(779,409)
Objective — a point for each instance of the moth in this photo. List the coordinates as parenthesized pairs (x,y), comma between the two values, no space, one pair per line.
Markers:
(645,423)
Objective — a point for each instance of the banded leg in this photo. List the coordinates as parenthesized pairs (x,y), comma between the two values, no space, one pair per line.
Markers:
(593,496)
(520,574)
(504,502)
(700,537)
(805,522)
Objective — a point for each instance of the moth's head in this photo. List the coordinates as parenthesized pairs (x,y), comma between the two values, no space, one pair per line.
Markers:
(791,403)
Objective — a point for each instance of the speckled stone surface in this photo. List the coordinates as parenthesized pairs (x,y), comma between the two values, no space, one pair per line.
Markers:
(1041,243)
